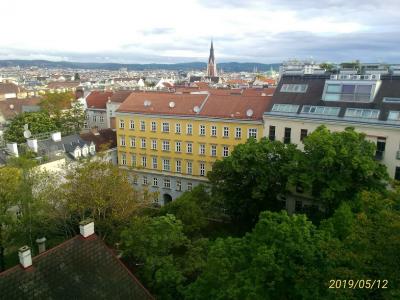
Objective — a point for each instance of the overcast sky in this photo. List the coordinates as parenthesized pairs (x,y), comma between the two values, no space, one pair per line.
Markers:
(147,31)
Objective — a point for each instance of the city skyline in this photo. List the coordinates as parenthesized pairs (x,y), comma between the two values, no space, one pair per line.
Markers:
(158,32)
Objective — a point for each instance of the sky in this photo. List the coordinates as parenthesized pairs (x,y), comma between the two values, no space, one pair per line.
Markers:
(265,31)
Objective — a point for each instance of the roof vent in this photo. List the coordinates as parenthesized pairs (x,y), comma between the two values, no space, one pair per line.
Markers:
(11,106)
(147,103)
(172,104)
(25,257)
(249,112)
(196,109)
(86,228)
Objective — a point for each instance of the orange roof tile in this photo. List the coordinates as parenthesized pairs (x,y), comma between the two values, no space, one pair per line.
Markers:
(98,99)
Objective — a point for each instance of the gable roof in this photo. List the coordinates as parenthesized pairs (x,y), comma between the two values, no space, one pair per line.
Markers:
(120,96)
(104,140)
(76,269)
(97,99)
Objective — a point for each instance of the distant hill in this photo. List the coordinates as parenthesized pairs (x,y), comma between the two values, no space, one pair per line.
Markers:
(227,67)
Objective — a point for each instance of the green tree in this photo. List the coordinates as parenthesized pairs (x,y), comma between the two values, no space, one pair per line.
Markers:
(251,178)
(39,122)
(336,166)
(54,103)
(327,66)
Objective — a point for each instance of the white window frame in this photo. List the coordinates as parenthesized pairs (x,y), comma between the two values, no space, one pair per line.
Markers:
(225,151)
(189,167)
(166,166)
(202,130)
(178,166)
(238,132)
(252,132)
(213,130)
(165,127)
(144,161)
(131,124)
(189,146)
(165,145)
(202,149)
(142,125)
(189,129)
(213,150)
(143,143)
(178,146)
(153,126)
(121,124)
(225,132)
(132,142)
(178,128)
(153,144)
(154,162)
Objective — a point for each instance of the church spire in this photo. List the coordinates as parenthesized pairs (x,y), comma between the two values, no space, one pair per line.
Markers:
(211,66)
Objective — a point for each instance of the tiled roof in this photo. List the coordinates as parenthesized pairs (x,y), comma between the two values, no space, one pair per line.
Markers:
(120,96)
(235,106)
(184,103)
(11,107)
(105,139)
(9,88)
(98,99)
(77,269)
(61,85)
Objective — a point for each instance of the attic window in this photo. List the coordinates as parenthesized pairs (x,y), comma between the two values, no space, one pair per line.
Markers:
(320,110)
(294,88)
(391,99)
(287,108)
(394,115)
(362,113)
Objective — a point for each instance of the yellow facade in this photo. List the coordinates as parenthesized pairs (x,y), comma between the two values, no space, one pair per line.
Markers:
(213,138)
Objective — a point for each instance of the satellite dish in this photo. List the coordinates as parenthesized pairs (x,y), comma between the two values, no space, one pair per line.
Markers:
(249,112)
(27,134)
(196,109)
(172,104)
(147,103)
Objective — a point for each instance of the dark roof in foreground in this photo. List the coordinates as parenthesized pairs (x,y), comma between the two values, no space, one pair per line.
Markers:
(104,139)
(77,269)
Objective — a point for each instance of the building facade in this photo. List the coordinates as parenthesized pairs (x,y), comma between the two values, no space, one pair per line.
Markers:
(170,141)
(370,103)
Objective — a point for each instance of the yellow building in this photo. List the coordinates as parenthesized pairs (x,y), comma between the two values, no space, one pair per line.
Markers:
(172,140)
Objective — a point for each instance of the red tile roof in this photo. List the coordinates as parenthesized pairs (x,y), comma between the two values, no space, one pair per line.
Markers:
(120,96)
(184,103)
(62,85)
(98,99)
(258,91)
(236,106)
(9,87)
(12,107)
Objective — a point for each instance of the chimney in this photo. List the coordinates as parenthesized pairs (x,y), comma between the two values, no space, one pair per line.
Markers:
(56,136)
(86,228)
(25,257)
(33,144)
(13,148)
(41,244)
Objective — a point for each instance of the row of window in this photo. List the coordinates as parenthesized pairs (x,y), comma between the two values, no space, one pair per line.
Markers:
(166,146)
(165,127)
(165,164)
(166,183)
(287,134)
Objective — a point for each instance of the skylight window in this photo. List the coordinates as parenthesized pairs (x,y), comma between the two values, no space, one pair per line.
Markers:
(394,115)
(362,113)
(320,110)
(294,88)
(348,92)
(391,99)
(287,108)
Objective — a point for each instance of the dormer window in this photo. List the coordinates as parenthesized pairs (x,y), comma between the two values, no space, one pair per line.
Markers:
(287,108)
(294,88)
(348,92)
(362,113)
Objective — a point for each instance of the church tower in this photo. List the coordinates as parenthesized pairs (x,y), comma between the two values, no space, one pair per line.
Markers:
(211,66)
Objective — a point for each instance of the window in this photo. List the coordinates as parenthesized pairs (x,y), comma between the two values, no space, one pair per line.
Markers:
(397,173)
(294,88)
(298,206)
(177,128)
(189,148)
(153,144)
(154,162)
(238,133)
(177,146)
(189,186)
(225,132)
(271,135)
(394,115)
(94,118)
(178,166)
(391,99)
(213,150)
(123,159)
(86,117)
(353,92)
(167,183)
(142,125)
(362,113)
(101,117)
(380,148)
(202,169)
(145,182)
(189,167)
(166,165)
(202,149)
(189,129)
(320,110)
(132,142)
(122,141)
(178,185)
(135,181)
(131,124)
(165,145)
(121,124)
(85,125)
(133,160)
(286,138)
(153,126)
(202,130)
(252,133)
(155,181)
(143,143)
(286,108)
(213,130)
(144,161)
(165,127)
(303,134)
(225,152)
